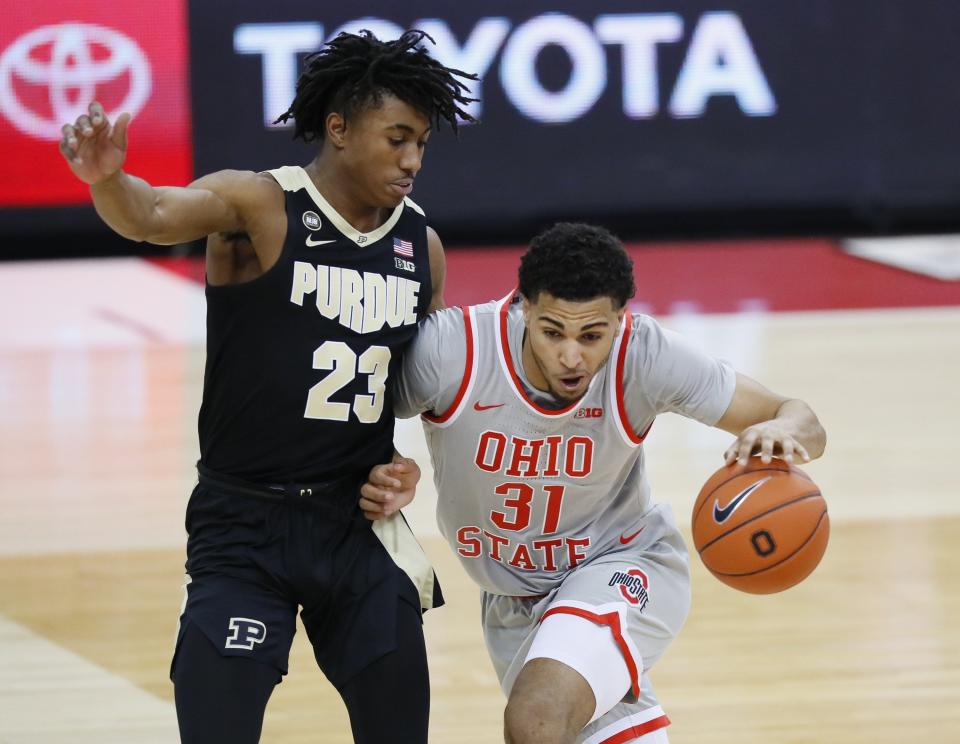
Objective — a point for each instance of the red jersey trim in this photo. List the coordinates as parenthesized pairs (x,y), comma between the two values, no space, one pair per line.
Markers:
(621,404)
(467,374)
(612,621)
(514,377)
(637,730)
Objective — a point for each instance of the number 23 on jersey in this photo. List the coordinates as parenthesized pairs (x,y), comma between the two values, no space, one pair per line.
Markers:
(344,366)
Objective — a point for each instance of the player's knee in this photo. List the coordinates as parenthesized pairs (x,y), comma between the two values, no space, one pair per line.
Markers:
(537,719)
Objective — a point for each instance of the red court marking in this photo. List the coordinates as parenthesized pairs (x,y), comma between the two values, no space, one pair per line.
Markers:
(710,277)
(191,267)
(141,329)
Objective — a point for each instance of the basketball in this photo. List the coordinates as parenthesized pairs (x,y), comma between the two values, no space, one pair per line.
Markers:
(760,527)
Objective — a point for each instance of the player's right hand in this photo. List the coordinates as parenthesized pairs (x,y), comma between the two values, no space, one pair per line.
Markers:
(94,148)
(389,488)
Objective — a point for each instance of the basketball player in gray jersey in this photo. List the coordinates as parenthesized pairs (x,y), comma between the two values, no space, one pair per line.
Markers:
(535,409)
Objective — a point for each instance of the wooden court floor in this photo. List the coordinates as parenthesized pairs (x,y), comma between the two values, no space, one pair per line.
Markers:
(96,447)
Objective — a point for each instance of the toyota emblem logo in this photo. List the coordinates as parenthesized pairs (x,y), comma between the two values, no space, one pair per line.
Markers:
(69,61)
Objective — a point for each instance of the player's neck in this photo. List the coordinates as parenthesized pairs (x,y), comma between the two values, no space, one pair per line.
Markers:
(340,193)
(531,369)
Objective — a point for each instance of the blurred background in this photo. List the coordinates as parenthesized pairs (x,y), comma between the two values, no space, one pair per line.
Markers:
(787,179)
(662,119)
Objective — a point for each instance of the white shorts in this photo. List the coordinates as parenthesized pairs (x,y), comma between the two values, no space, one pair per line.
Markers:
(609,619)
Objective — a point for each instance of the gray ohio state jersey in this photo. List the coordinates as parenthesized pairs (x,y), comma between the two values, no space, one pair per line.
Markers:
(530,487)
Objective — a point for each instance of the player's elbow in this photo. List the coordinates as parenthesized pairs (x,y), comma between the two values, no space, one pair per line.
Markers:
(142,235)
(161,239)
(131,231)
(161,228)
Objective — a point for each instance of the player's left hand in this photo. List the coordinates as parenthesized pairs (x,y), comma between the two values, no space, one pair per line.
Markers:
(389,488)
(768,438)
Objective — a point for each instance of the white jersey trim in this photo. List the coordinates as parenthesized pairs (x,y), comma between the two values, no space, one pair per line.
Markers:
(449,416)
(294,178)
(287,177)
(644,722)
(413,205)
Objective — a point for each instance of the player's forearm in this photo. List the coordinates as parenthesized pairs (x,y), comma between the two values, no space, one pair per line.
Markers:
(798,418)
(127,204)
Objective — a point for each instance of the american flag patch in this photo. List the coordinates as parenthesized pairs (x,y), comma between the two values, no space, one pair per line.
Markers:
(403,247)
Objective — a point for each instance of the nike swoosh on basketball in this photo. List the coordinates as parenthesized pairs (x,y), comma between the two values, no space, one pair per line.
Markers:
(624,539)
(721,515)
(312,243)
(478,406)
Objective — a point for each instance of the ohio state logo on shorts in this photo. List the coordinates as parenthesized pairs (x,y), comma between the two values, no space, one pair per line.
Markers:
(633,586)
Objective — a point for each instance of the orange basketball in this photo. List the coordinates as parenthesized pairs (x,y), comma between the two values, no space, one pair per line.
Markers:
(761,528)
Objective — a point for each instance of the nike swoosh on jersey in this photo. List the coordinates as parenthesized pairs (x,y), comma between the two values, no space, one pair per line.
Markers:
(721,515)
(478,406)
(624,539)
(312,243)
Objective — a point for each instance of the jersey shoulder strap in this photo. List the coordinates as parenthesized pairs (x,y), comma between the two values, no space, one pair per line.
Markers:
(618,404)
(414,206)
(447,417)
(290,177)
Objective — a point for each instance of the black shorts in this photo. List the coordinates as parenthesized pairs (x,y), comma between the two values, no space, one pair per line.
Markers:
(254,558)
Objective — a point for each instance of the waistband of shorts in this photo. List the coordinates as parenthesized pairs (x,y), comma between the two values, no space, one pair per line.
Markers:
(338,497)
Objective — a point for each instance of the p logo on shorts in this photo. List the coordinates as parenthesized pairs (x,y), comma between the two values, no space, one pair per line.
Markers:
(245,633)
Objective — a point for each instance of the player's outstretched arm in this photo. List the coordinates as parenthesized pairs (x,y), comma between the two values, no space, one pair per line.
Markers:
(769,424)
(389,487)
(96,149)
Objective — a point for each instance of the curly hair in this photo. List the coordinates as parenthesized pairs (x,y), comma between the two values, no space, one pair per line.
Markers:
(576,262)
(354,71)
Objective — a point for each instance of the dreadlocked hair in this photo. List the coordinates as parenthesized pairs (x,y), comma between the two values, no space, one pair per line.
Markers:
(577,262)
(354,71)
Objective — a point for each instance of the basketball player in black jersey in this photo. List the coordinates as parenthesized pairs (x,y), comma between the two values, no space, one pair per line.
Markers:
(316,278)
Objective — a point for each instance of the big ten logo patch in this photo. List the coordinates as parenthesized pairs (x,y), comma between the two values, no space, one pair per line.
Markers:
(633,586)
(245,633)
(588,413)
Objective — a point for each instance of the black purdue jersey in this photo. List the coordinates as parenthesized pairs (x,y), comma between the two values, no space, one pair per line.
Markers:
(298,360)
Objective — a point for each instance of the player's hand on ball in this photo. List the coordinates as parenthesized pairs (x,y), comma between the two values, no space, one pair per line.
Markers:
(766,439)
(94,148)
(389,488)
